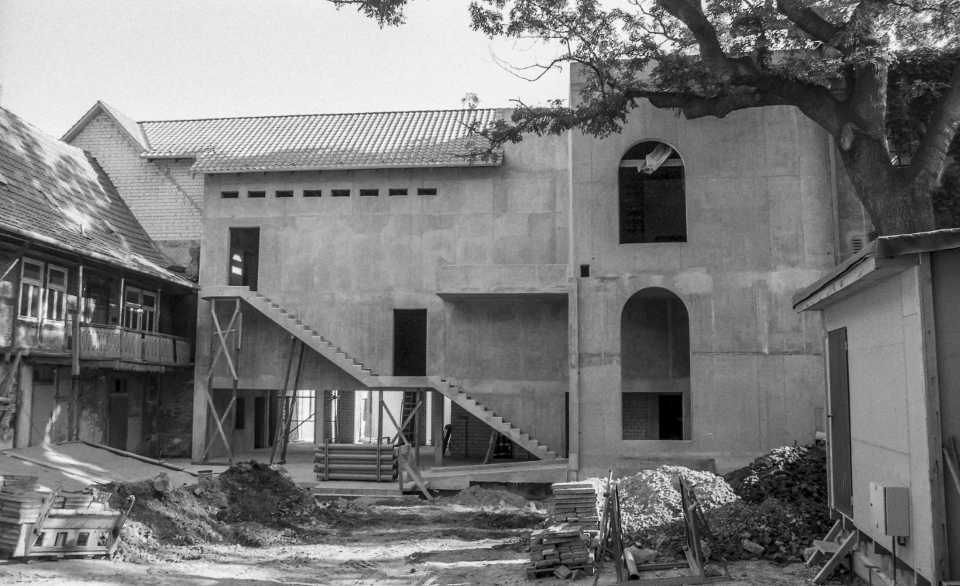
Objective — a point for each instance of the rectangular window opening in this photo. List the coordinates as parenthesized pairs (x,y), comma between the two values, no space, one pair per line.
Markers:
(240,418)
(82,539)
(244,267)
(61,539)
(229,194)
(311,193)
(257,194)
(369,192)
(398,191)
(584,271)
(339,193)
(284,193)
(426,191)
(31,288)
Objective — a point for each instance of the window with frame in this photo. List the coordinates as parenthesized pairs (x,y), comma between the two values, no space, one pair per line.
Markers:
(653,206)
(31,288)
(56,303)
(140,309)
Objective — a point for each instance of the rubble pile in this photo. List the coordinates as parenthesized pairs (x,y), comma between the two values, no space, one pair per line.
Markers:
(788,474)
(652,497)
(781,510)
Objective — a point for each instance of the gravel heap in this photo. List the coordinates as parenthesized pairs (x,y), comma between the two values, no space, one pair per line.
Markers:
(781,510)
(652,497)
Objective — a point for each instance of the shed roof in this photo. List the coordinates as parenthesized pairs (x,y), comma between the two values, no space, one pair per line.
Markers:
(376,140)
(57,194)
(879,258)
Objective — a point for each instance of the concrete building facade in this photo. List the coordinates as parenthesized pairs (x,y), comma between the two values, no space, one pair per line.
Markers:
(622,301)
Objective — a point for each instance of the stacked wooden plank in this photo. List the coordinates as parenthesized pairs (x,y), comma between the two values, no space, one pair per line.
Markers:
(19,505)
(565,545)
(576,502)
(364,462)
(76,524)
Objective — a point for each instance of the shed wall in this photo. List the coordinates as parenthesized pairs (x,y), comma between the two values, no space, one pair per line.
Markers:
(888,420)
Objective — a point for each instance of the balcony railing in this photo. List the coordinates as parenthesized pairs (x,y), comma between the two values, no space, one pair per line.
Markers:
(116,343)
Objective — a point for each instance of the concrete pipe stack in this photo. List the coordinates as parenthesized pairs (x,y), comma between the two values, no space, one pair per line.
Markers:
(360,462)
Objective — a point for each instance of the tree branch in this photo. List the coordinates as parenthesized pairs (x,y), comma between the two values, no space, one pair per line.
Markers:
(929,163)
(809,21)
(711,52)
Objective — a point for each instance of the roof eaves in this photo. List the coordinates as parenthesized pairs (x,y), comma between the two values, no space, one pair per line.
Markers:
(160,272)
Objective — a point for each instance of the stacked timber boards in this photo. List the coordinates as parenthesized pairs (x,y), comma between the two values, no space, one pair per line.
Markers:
(363,462)
(576,502)
(565,546)
(77,524)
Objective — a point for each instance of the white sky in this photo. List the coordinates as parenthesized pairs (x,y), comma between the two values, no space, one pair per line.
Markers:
(169,59)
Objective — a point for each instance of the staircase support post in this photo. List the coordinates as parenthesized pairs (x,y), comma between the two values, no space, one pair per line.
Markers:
(436,418)
(293,407)
(281,412)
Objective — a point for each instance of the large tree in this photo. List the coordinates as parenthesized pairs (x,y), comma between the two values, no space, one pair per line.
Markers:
(831,59)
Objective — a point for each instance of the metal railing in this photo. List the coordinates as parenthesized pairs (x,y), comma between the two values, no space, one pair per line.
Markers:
(99,342)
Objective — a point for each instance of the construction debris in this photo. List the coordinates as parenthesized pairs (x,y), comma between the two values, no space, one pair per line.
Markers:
(652,497)
(35,524)
(781,508)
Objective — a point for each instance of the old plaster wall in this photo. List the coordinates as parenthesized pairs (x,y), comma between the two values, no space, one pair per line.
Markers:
(759,228)
(888,415)
(343,264)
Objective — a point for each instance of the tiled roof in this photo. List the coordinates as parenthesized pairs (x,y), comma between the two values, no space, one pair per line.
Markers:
(377,140)
(58,195)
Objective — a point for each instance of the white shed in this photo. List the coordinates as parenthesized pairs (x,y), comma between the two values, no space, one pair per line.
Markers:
(891,318)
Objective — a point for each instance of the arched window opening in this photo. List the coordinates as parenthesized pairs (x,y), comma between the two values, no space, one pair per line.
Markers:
(655,366)
(653,205)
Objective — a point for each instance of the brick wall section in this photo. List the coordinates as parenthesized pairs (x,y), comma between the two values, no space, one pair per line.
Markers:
(163,195)
(175,416)
(640,416)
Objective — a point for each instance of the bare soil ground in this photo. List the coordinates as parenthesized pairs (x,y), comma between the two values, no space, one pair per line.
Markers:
(353,543)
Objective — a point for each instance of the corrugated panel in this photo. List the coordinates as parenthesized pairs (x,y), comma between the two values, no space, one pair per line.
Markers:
(841,461)
(325,141)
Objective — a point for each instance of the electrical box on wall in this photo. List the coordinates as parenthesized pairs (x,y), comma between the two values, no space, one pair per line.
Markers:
(890,509)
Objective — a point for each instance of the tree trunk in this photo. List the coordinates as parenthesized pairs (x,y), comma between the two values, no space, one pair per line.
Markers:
(891,197)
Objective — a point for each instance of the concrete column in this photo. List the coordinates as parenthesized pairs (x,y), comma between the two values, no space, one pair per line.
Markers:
(24,396)
(200,386)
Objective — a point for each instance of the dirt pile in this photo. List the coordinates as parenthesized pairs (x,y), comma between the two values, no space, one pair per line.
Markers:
(652,497)
(251,504)
(781,510)
(476,496)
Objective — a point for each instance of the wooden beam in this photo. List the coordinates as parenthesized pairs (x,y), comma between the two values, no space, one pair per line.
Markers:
(283,397)
(20,252)
(293,406)
(491,447)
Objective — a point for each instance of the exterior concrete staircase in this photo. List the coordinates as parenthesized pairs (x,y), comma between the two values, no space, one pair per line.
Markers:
(364,375)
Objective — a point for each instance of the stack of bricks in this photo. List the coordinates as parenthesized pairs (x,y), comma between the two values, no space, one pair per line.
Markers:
(577,502)
(560,549)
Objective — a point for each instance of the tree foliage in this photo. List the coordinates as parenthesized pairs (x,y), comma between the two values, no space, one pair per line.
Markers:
(840,62)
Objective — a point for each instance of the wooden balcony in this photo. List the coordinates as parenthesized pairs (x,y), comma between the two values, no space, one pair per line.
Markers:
(99,342)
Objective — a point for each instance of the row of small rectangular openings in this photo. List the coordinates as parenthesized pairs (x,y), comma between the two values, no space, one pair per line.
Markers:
(393,191)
